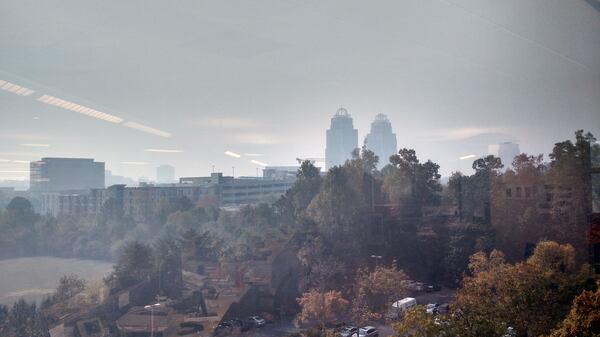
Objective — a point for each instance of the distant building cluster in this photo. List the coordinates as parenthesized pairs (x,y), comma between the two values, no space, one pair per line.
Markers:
(143,201)
(342,139)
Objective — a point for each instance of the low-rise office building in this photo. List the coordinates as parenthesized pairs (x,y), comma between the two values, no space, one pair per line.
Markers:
(144,201)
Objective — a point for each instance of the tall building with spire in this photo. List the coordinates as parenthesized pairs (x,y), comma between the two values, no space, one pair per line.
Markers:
(342,139)
(381,140)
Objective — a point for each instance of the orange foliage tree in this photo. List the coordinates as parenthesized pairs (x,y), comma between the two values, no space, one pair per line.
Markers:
(321,307)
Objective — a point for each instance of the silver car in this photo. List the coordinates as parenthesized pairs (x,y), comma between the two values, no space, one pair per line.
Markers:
(368,331)
(349,331)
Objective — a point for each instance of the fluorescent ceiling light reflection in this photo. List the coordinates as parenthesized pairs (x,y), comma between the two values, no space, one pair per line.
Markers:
(14,171)
(467,157)
(4,160)
(232,154)
(163,151)
(147,129)
(61,103)
(35,145)
(21,161)
(133,163)
(15,89)
(258,163)
(14,178)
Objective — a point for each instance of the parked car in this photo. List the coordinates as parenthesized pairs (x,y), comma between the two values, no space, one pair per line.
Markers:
(349,331)
(236,322)
(510,332)
(223,328)
(368,331)
(431,308)
(443,308)
(414,286)
(256,321)
(429,288)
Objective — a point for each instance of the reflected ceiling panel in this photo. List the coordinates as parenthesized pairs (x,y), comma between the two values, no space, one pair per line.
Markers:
(61,103)
(15,89)
(147,129)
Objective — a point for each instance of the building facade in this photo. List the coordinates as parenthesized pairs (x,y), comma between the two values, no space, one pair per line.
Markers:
(506,151)
(342,139)
(65,174)
(142,202)
(381,140)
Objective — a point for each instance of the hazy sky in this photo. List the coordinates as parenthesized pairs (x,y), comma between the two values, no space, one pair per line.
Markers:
(265,77)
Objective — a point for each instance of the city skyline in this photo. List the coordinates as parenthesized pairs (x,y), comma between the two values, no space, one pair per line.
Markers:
(141,100)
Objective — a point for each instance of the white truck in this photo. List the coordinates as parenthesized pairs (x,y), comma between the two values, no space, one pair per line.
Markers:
(401,306)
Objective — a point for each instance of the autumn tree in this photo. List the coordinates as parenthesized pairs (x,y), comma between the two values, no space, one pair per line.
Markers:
(584,318)
(321,307)
(375,292)
(416,322)
(531,296)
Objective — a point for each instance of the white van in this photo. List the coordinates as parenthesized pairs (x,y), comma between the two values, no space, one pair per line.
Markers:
(399,307)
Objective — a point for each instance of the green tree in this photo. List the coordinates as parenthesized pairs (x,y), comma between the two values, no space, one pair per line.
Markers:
(4,315)
(410,183)
(338,207)
(168,262)
(68,286)
(19,213)
(298,197)
(25,320)
(570,179)
(135,264)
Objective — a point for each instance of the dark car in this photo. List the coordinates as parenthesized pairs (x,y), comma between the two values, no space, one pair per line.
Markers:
(223,328)
(255,321)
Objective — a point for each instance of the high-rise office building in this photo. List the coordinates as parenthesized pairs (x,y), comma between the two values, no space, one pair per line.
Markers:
(165,174)
(381,140)
(506,151)
(65,174)
(342,139)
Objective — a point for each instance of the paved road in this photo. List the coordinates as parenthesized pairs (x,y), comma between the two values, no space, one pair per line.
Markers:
(283,328)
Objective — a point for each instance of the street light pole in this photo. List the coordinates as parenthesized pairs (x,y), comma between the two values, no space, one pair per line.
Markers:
(376,257)
(151,307)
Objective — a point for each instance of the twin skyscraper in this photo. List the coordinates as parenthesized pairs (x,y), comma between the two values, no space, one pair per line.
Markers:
(342,139)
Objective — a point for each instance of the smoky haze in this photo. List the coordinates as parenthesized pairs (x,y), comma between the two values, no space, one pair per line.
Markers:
(264,78)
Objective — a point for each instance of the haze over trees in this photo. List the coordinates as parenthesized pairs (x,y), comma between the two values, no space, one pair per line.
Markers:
(362,233)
